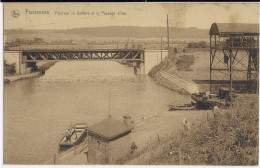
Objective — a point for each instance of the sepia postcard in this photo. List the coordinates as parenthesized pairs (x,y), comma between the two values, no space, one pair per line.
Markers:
(131,84)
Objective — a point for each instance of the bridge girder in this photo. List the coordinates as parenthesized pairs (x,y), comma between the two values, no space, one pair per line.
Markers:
(66,55)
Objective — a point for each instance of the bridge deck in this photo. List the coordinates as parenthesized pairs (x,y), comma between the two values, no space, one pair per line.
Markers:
(75,50)
(136,55)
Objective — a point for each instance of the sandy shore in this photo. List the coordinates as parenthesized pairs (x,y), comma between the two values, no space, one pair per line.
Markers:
(147,129)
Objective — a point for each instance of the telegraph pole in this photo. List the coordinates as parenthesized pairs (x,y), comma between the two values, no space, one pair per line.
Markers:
(168,33)
(161,48)
(20,60)
(109,113)
(230,76)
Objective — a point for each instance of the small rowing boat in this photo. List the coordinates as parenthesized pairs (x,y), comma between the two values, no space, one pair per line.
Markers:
(183,107)
(74,135)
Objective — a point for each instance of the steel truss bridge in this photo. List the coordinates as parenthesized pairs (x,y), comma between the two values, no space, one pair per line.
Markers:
(133,55)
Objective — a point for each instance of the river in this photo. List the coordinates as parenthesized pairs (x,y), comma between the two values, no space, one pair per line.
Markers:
(37,111)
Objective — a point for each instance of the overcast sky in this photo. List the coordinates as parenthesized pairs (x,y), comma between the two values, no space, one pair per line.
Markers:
(126,14)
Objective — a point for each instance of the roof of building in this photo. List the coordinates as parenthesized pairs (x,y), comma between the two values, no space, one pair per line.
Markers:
(109,128)
(234,28)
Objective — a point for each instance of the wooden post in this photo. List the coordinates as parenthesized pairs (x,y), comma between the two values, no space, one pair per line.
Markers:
(139,65)
(168,33)
(158,138)
(143,54)
(75,149)
(180,156)
(157,58)
(210,67)
(257,68)
(231,80)
(161,48)
(204,156)
(135,70)
(109,114)
(54,159)
(20,61)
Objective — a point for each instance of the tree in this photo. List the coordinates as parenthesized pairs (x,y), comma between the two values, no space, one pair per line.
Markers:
(9,69)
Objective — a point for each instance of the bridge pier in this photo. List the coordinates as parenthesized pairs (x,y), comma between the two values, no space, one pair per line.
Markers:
(26,67)
(137,68)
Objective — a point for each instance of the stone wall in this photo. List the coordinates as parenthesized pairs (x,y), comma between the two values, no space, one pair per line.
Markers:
(119,148)
(102,151)
(97,150)
(188,86)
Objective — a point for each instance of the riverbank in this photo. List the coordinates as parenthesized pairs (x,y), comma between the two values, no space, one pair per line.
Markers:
(187,67)
(145,132)
(42,67)
(225,137)
(13,78)
(229,137)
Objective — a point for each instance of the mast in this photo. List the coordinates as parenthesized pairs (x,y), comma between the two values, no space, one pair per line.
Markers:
(109,114)
(168,33)
(161,48)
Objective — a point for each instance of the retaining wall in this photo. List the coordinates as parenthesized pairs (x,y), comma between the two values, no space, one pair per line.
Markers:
(189,87)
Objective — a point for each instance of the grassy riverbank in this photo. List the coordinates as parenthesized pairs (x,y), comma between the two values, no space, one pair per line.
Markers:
(229,138)
(188,66)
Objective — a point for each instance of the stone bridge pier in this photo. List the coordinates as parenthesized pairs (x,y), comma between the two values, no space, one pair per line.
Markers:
(26,67)
(138,67)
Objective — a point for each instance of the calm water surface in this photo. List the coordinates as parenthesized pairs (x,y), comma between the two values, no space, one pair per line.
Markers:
(38,111)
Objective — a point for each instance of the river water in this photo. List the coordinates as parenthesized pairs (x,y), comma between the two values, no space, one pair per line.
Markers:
(37,111)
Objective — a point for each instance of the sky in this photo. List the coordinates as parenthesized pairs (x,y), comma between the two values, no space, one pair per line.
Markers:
(77,15)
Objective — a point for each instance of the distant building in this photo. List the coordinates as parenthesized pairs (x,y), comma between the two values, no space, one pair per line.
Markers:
(108,140)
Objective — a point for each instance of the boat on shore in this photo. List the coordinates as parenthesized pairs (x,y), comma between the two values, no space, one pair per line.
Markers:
(77,133)
(182,107)
(205,100)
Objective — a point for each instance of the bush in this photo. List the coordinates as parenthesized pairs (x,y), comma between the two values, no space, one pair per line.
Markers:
(184,62)
(165,64)
(201,44)
(9,69)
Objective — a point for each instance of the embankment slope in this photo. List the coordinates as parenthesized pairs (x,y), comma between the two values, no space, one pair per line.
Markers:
(186,66)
